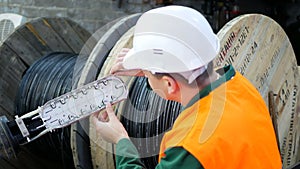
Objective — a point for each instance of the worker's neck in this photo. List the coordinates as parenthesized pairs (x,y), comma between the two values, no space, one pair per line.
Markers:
(189,92)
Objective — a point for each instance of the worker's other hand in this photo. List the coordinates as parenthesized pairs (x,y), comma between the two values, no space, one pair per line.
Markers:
(118,69)
(108,126)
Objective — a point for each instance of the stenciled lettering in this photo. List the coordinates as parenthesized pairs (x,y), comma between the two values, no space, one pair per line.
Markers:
(240,42)
(225,48)
(263,78)
(248,58)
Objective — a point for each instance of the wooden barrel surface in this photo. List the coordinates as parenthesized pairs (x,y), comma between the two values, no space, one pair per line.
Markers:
(260,50)
(22,48)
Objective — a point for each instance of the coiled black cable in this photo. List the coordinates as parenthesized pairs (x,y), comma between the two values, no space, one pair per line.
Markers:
(47,78)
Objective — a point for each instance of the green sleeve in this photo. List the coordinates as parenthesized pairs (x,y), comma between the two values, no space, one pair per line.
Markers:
(127,156)
(177,157)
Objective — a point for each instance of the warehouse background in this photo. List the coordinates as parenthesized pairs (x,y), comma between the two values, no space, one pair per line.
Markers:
(92,14)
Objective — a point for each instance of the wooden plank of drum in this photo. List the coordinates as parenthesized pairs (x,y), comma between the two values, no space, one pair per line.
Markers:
(23,48)
(48,36)
(259,49)
(63,28)
(11,70)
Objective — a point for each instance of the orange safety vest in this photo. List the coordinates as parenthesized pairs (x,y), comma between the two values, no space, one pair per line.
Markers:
(230,128)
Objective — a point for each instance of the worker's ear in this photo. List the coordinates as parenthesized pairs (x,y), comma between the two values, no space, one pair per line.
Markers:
(171,85)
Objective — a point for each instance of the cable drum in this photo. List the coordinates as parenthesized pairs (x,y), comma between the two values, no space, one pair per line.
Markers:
(47,78)
(26,44)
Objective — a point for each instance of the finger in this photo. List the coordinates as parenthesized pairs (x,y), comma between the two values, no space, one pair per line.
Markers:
(120,58)
(125,50)
(109,108)
(103,116)
(116,67)
(122,54)
(110,111)
(132,72)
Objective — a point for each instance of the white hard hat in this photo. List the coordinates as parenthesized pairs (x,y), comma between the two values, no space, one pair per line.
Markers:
(172,39)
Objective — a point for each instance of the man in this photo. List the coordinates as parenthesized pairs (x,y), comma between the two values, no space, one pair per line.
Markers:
(225,122)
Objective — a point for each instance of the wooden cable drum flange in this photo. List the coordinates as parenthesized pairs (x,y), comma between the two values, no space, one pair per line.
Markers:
(89,155)
(102,152)
(25,46)
(259,49)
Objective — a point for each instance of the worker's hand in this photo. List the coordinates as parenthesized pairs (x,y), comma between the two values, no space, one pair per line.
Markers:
(108,126)
(118,69)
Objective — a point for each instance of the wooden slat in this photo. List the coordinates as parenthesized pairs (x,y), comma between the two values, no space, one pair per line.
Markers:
(11,70)
(23,48)
(47,35)
(82,33)
(90,40)
(259,48)
(70,37)
(35,41)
